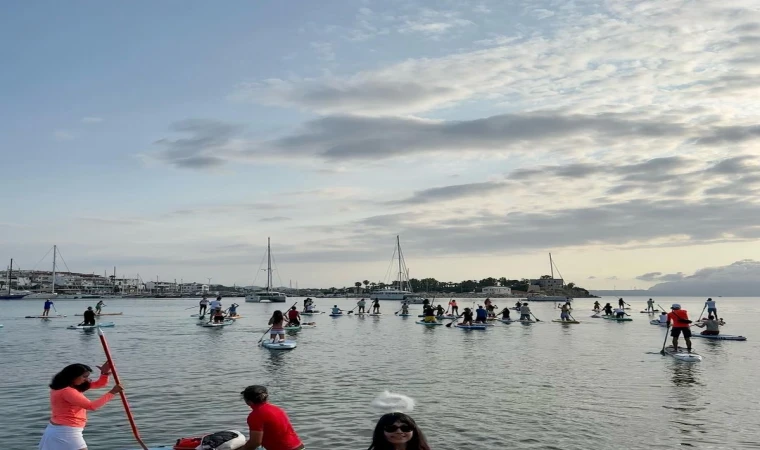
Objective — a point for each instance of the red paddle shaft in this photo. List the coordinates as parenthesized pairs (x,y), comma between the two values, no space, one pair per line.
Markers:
(122,394)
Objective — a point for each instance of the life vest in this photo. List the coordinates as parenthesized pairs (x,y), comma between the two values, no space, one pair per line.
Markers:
(221,440)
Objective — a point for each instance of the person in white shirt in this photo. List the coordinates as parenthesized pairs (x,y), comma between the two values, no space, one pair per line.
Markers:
(711,309)
(203,306)
(216,305)
(620,313)
(663,317)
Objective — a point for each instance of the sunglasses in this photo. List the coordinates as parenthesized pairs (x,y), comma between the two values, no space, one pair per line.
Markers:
(394,428)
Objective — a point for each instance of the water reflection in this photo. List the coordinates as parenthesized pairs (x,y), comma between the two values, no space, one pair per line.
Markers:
(685,401)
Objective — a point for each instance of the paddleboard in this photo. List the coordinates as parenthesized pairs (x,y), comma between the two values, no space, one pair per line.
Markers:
(57,316)
(429,324)
(218,324)
(404,315)
(648,312)
(292,328)
(375,314)
(233,317)
(506,320)
(617,319)
(280,345)
(720,337)
(310,313)
(596,316)
(682,355)
(471,327)
(526,322)
(92,327)
(103,314)
(565,321)
(657,322)
(336,315)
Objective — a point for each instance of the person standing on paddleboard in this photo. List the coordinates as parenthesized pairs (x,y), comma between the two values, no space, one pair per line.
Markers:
(69,406)
(203,305)
(565,313)
(621,304)
(681,323)
(46,308)
(650,305)
(294,318)
(712,324)
(489,306)
(268,425)
(277,322)
(361,304)
(99,307)
(525,311)
(89,316)
(405,307)
(711,308)
(376,306)
(215,305)
(454,307)
(398,431)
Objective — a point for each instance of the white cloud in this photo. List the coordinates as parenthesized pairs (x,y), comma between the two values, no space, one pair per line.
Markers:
(324,50)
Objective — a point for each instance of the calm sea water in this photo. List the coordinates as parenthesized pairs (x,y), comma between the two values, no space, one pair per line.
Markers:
(542,386)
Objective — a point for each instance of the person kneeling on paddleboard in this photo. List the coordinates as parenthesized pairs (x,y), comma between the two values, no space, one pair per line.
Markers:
(405,307)
(712,324)
(439,311)
(607,309)
(218,316)
(480,315)
(620,313)
(525,312)
(69,406)
(505,314)
(294,318)
(89,317)
(466,317)
(681,323)
(276,321)
(398,431)
(597,306)
(268,425)
(336,310)
(429,314)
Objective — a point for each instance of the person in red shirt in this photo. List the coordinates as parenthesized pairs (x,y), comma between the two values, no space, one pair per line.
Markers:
(268,425)
(681,324)
(294,317)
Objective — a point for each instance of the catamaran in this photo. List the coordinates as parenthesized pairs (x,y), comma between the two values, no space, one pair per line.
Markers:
(403,277)
(267,295)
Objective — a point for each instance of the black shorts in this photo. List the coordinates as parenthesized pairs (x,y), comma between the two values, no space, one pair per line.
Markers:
(675,332)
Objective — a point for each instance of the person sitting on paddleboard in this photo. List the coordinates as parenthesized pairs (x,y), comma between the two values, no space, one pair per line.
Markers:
(711,308)
(467,317)
(525,312)
(276,321)
(294,317)
(597,306)
(361,304)
(69,406)
(712,324)
(565,314)
(268,425)
(218,316)
(607,309)
(376,306)
(681,323)
(232,311)
(454,307)
(99,307)
(203,305)
(398,431)
(336,310)
(429,314)
(663,317)
(480,315)
(46,309)
(505,314)
(89,316)
(650,305)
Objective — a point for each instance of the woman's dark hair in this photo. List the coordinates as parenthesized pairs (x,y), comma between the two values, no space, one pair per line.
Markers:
(255,394)
(379,442)
(66,377)
(277,316)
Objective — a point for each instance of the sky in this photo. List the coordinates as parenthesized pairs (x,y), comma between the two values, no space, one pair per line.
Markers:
(171,139)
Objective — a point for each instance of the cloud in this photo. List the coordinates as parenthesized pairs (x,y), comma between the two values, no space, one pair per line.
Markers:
(91,120)
(446,193)
(275,219)
(323,50)
(741,278)
(208,144)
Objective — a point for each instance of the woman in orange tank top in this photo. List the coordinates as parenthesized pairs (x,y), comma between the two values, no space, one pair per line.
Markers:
(69,406)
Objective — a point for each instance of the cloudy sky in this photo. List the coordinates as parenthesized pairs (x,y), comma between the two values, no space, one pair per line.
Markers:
(172,138)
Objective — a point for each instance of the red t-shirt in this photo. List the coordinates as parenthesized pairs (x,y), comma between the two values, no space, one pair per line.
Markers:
(292,314)
(679,318)
(274,423)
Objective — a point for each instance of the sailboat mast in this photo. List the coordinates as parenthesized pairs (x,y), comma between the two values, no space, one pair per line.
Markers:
(400,271)
(10,271)
(55,250)
(269,264)
(551,265)
(114,280)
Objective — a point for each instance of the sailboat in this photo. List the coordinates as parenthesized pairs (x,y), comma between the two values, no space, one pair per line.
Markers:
(403,277)
(11,295)
(267,295)
(52,294)
(550,298)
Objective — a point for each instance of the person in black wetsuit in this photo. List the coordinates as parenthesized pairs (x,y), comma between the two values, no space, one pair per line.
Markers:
(607,309)
(505,314)
(375,306)
(89,316)
(425,302)
(439,310)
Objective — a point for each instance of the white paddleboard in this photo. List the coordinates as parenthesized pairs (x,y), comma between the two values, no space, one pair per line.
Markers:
(682,355)
(280,345)
(92,327)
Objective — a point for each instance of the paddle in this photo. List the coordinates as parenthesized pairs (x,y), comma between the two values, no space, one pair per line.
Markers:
(571,316)
(663,309)
(396,313)
(534,316)
(262,336)
(665,341)
(703,311)
(189,308)
(448,325)
(122,394)
(352,310)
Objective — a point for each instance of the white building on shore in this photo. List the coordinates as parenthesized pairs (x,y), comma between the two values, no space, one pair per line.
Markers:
(497,290)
